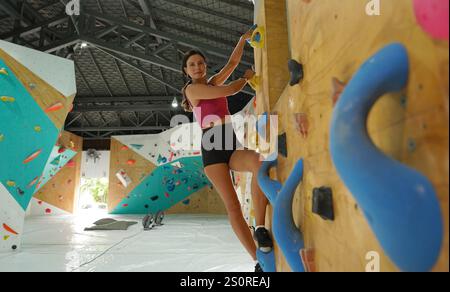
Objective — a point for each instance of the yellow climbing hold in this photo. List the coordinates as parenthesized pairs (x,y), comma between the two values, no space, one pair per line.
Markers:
(37,128)
(2,137)
(7,99)
(258,38)
(10,183)
(5,237)
(255,82)
(3,72)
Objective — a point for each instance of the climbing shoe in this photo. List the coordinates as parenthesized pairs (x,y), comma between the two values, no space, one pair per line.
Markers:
(258,268)
(263,239)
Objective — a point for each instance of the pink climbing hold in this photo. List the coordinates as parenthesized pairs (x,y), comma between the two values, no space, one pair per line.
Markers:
(432,15)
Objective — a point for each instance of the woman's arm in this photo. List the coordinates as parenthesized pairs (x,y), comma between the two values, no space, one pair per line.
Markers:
(203,91)
(233,62)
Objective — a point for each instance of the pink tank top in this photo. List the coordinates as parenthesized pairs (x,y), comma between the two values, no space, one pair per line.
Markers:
(210,110)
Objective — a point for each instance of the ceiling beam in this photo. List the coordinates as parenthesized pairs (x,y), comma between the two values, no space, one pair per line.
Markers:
(116,129)
(211,12)
(207,48)
(141,69)
(124,108)
(130,53)
(108,99)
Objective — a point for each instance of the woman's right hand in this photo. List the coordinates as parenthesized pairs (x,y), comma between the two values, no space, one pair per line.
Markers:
(249,74)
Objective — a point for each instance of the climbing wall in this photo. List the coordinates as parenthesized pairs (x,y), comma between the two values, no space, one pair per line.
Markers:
(149,173)
(34,102)
(242,185)
(59,186)
(205,201)
(332,39)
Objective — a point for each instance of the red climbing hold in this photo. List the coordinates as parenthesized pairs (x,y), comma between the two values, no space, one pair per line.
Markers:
(338,88)
(32,156)
(48,211)
(9,229)
(124,147)
(71,163)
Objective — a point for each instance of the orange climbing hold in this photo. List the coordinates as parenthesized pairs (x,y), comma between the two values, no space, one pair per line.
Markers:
(55,107)
(32,156)
(33,182)
(131,162)
(9,229)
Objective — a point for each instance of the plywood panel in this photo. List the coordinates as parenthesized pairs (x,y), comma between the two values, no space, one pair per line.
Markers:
(333,39)
(120,154)
(62,189)
(44,94)
(271,61)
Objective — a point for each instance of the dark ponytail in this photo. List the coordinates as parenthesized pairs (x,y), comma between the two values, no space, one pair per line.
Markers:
(187,106)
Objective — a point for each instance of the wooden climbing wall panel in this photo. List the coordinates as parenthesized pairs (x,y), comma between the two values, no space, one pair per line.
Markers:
(205,201)
(334,38)
(61,191)
(46,96)
(272,59)
(120,155)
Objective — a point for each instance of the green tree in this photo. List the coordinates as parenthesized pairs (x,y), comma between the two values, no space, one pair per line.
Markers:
(98,189)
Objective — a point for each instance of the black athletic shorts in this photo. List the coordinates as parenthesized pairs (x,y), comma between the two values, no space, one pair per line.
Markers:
(223,142)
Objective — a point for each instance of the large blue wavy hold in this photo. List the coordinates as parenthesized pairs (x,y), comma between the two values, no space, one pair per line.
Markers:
(267,261)
(287,235)
(399,203)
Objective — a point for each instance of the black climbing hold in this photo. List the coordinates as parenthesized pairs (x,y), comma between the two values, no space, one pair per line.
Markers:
(323,203)
(146,206)
(282,145)
(154,198)
(296,70)
(14,247)
(19,190)
(404,101)
(412,145)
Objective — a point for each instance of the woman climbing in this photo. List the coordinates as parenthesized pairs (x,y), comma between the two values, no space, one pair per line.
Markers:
(207,99)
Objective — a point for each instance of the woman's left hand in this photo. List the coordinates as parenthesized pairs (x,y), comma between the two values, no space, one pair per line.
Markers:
(248,34)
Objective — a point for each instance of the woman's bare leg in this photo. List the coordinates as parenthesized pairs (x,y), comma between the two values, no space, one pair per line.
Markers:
(219,175)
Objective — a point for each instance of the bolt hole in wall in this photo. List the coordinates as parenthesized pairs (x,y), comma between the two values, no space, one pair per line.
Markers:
(94,183)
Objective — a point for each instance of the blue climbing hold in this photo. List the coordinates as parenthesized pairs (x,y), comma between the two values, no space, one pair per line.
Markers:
(399,203)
